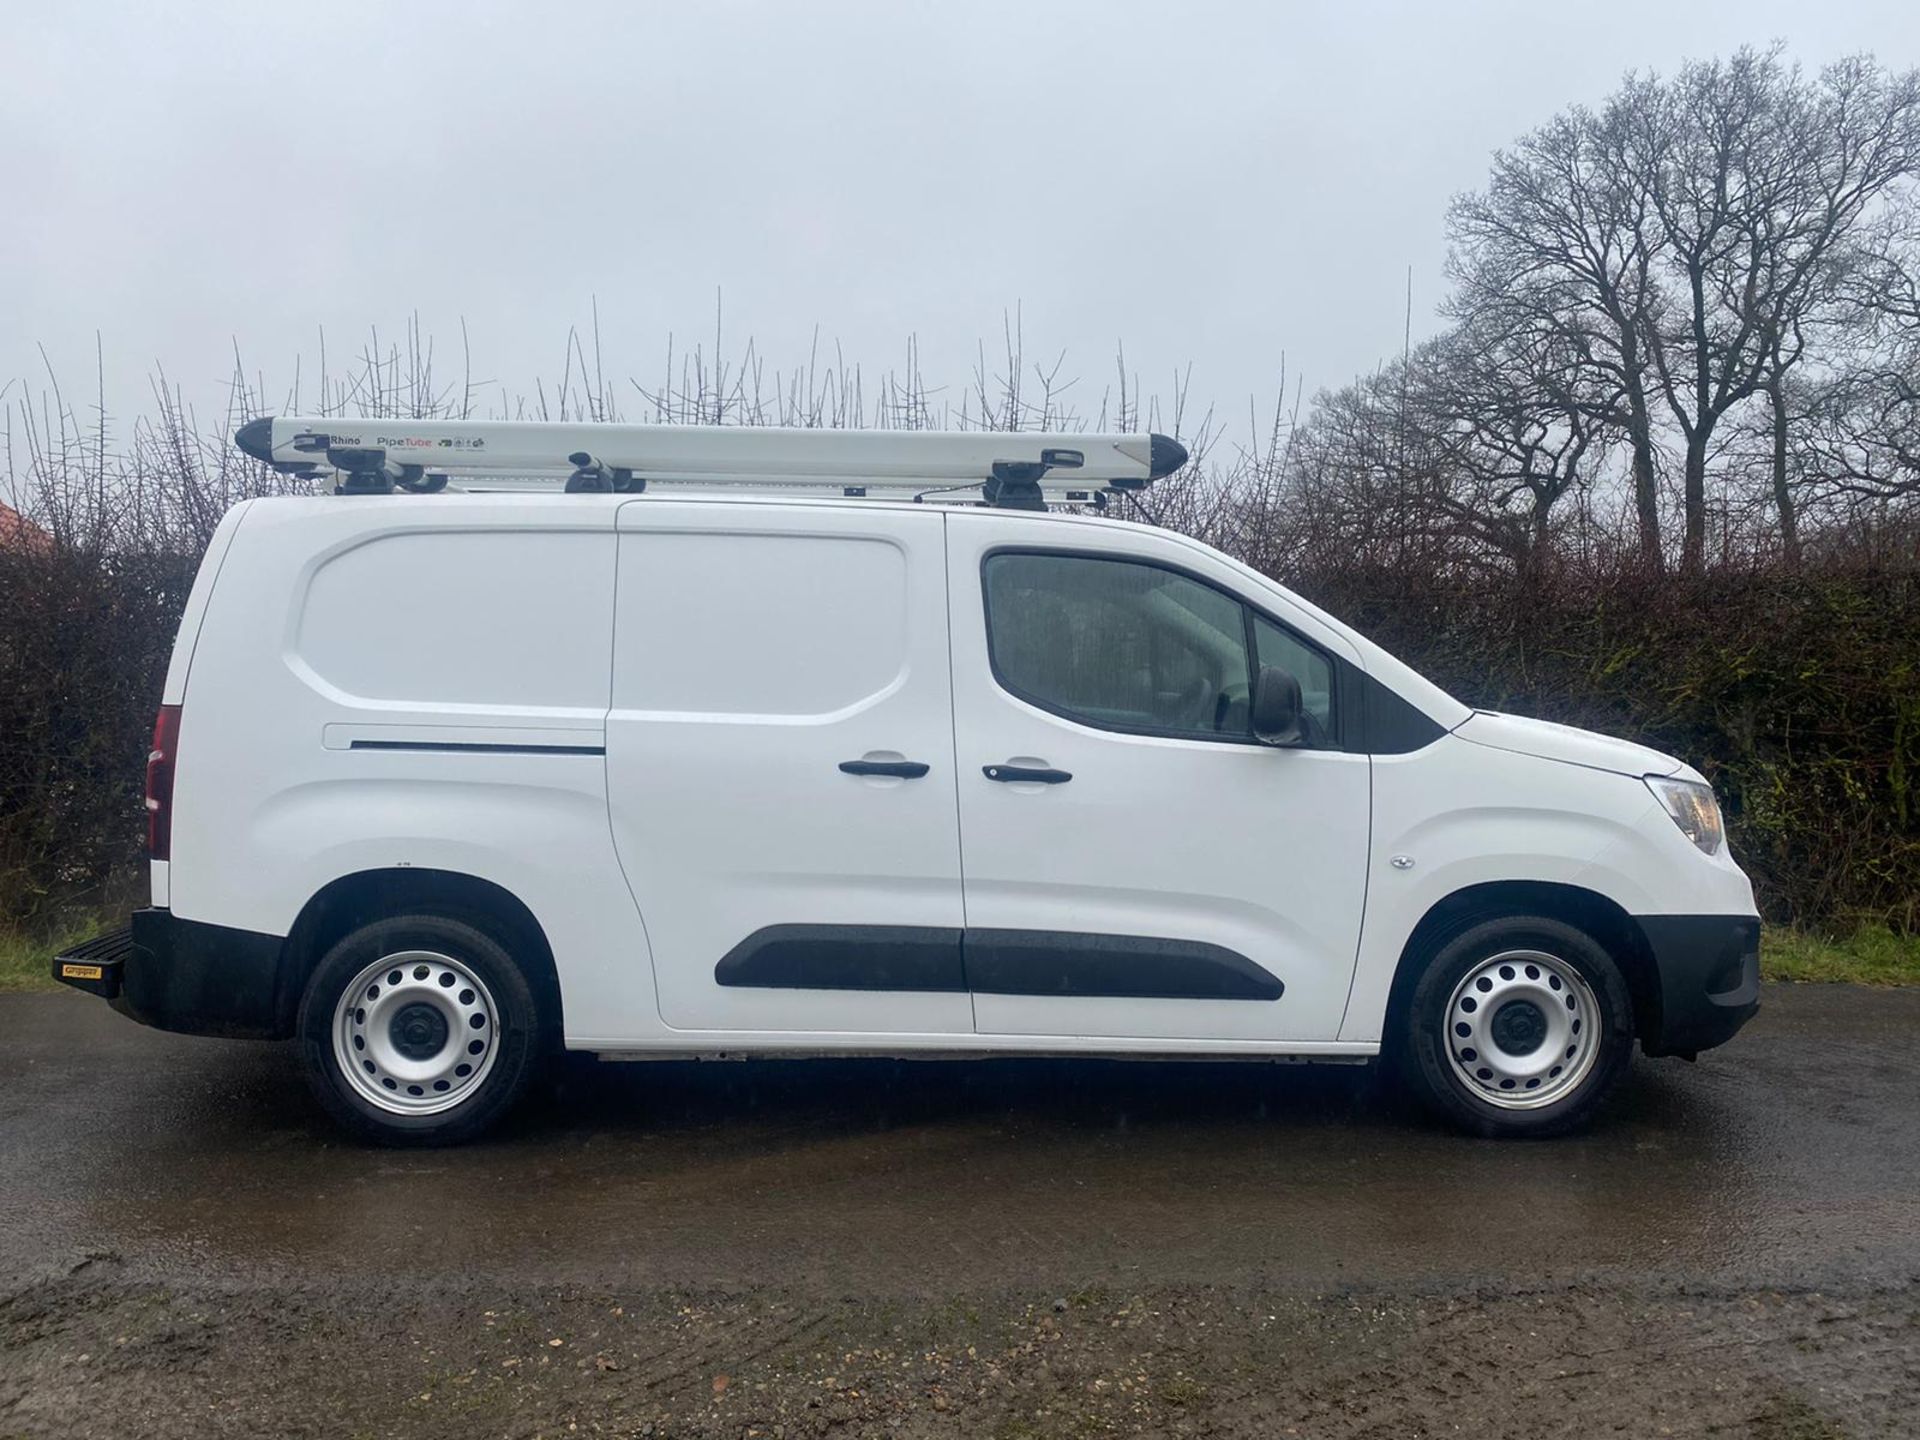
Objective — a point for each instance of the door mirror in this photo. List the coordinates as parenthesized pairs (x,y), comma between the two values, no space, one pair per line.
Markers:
(1275,707)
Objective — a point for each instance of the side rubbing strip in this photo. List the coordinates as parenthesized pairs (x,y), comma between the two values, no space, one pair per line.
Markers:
(478,747)
(992,962)
(846,957)
(1060,962)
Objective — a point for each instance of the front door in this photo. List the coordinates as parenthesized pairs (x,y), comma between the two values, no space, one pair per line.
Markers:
(1136,863)
(780,767)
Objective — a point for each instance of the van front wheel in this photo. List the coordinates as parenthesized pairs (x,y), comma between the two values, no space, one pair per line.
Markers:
(418,1030)
(1518,1026)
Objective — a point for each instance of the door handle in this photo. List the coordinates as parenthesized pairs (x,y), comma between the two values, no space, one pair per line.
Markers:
(902,769)
(1010,774)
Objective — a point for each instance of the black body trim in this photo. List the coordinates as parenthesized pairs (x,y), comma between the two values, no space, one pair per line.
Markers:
(846,957)
(478,747)
(1382,722)
(188,976)
(899,769)
(992,962)
(1031,774)
(1709,974)
(1064,962)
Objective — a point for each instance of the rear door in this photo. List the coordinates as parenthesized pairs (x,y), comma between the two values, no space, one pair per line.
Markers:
(1137,865)
(780,766)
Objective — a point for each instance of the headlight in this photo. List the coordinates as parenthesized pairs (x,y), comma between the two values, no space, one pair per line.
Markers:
(1693,809)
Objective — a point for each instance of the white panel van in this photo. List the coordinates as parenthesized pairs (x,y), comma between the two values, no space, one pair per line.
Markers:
(441,783)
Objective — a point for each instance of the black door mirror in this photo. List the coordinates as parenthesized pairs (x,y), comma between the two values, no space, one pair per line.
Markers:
(1275,707)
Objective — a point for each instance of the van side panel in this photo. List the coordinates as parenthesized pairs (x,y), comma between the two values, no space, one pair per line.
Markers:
(760,652)
(1238,868)
(174,689)
(1461,814)
(413,684)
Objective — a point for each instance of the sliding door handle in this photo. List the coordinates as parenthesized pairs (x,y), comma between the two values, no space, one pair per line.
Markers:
(1013,774)
(902,769)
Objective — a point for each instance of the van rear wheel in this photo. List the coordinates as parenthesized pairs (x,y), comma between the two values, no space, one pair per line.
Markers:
(1518,1026)
(418,1030)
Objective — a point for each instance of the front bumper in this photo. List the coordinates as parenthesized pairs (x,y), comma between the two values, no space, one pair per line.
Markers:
(185,975)
(1708,980)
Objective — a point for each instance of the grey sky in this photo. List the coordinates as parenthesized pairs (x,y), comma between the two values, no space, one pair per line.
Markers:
(1211,183)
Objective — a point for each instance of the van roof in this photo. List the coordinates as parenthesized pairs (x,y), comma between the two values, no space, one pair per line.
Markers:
(467,508)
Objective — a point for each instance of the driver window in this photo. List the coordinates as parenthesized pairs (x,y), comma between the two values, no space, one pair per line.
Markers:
(1283,649)
(1118,644)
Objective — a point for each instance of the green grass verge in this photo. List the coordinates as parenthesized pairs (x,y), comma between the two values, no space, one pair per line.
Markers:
(24,962)
(1872,955)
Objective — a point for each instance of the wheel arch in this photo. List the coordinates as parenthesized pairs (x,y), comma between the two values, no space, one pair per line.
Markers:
(1587,910)
(350,901)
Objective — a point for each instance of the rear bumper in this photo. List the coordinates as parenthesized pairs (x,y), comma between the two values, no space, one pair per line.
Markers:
(184,975)
(1708,968)
(97,966)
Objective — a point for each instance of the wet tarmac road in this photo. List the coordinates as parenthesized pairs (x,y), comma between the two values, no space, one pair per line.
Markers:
(1790,1158)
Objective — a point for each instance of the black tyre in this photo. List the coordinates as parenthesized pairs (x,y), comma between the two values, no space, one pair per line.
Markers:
(1517,1027)
(418,1030)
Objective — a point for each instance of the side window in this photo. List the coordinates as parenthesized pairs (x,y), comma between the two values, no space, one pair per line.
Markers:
(1118,644)
(1281,648)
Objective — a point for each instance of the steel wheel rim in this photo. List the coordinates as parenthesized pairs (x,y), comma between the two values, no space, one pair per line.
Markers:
(415,1033)
(1523,1030)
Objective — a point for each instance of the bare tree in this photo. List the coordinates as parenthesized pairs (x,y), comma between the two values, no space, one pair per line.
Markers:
(1854,431)
(1363,484)
(1562,240)
(1764,179)
(1519,420)
(1859,434)
(1685,240)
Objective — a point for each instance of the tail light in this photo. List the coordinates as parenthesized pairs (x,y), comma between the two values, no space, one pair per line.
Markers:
(166,747)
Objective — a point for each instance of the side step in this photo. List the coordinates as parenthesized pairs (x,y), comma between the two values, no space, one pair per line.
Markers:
(95,966)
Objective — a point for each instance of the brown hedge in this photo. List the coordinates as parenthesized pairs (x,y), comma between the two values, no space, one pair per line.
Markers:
(1798,693)
(84,641)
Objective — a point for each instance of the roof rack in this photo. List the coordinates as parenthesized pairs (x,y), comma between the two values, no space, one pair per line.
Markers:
(1010,470)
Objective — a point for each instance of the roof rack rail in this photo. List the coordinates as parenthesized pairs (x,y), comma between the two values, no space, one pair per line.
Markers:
(1009,469)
